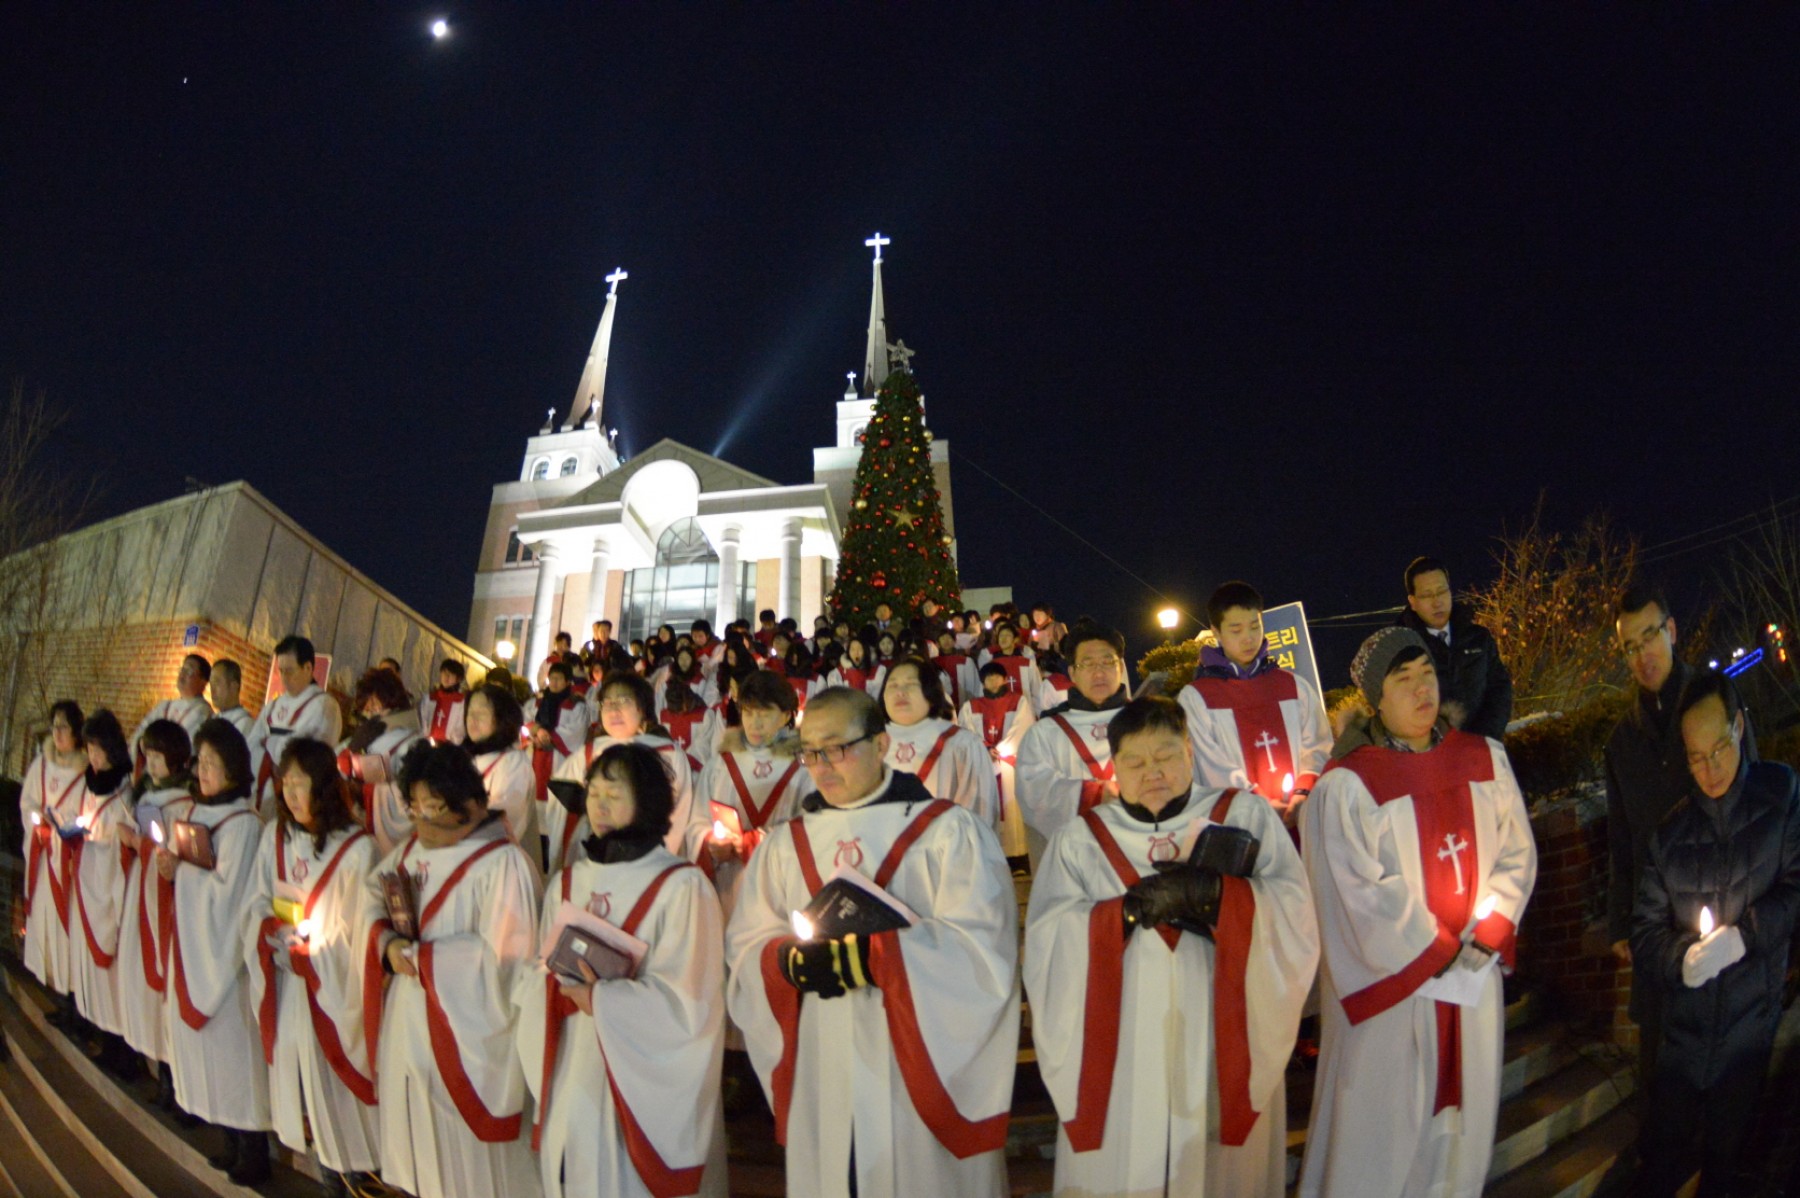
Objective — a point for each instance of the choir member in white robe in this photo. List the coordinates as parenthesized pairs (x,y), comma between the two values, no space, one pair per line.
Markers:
(858,669)
(626,704)
(1000,717)
(1254,725)
(1165,1047)
(494,722)
(625,1072)
(559,727)
(925,740)
(386,732)
(443,713)
(51,796)
(755,777)
(1065,766)
(306,954)
(215,1053)
(962,676)
(301,709)
(452,1094)
(188,708)
(226,686)
(683,717)
(1421,859)
(685,666)
(97,884)
(164,794)
(1018,661)
(892,1055)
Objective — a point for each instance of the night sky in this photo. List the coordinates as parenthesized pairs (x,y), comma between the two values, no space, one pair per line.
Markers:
(1274,296)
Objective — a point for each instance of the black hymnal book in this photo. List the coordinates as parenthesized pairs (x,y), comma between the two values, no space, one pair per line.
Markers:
(850,903)
(401,895)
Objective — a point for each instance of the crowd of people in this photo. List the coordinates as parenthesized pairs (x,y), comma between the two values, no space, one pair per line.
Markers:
(546,935)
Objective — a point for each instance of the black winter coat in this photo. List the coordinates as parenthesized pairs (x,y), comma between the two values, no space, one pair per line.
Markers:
(1472,679)
(1739,855)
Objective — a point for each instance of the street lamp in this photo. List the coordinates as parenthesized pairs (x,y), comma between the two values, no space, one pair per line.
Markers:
(1168,618)
(505,650)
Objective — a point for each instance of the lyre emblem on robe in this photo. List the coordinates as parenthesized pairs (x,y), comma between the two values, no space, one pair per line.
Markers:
(849,853)
(601,904)
(1097,732)
(1162,848)
(905,753)
(762,769)
(419,873)
(301,869)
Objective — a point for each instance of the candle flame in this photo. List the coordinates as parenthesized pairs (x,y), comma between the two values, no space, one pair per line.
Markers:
(156,833)
(720,831)
(1486,907)
(306,928)
(1706,921)
(36,818)
(803,927)
(1287,784)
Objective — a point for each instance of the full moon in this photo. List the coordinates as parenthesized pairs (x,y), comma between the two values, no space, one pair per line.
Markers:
(440,28)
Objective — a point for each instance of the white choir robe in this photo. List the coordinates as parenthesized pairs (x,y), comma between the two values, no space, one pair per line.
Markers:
(964,679)
(961,770)
(443,715)
(689,825)
(1401,849)
(685,728)
(189,713)
(948,986)
(1058,781)
(1021,670)
(215,1051)
(703,686)
(1184,1092)
(633,1106)
(239,717)
(511,792)
(384,806)
(868,680)
(97,907)
(712,730)
(1053,692)
(573,719)
(48,864)
(309,1006)
(1001,728)
(311,713)
(452,1100)
(1256,733)
(763,785)
(142,967)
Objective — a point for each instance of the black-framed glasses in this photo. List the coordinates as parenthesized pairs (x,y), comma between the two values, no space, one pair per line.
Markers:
(1635,648)
(830,754)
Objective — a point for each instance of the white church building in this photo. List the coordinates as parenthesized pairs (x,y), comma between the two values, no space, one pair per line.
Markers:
(671,534)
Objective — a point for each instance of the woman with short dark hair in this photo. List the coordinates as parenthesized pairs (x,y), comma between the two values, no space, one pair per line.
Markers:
(925,739)
(386,729)
(97,886)
(50,798)
(312,870)
(216,1055)
(495,720)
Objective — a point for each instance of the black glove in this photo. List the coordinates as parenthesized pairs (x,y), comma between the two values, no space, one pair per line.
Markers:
(365,734)
(1184,895)
(827,968)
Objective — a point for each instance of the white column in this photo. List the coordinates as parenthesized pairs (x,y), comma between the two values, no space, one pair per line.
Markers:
(788,592)
(596,589)
(543,603)
(728,579)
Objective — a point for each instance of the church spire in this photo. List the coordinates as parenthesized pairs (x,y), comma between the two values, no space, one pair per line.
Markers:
(875,358)
(590,393)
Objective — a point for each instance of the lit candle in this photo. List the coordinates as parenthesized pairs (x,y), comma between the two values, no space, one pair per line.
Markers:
(306,928)
(36,819)
(1287,784)
(720,831)
(156,833)
(1706,922)
(1486,907)
(803,927)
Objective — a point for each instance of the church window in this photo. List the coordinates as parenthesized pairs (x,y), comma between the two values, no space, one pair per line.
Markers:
(569,466)
(683,585)
(540,469)
(517,552)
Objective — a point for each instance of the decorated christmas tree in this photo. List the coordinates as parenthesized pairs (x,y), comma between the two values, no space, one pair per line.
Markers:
(895,549)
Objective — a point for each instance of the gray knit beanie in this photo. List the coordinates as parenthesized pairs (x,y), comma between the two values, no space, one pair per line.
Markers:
(1377,654)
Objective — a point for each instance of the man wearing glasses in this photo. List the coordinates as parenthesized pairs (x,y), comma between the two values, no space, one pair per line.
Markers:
(887,1057)
(1710,933)
(1065,764)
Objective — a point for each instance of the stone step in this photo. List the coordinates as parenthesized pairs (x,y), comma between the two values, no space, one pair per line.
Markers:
(1574,1167)
(1552,1110)
(22,1174)
(61,1158)
(137,1146)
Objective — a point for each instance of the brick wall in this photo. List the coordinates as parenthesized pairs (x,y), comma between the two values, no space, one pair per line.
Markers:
(1562,945)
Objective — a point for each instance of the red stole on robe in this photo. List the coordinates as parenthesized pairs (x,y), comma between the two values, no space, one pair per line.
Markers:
(443,705)
(1255,706)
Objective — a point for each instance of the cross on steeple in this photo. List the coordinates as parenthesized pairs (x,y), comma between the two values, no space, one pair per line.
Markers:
(878,241)
(614,279)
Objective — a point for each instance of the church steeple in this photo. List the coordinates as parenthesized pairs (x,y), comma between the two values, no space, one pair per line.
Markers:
(875,358)
(590,393)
